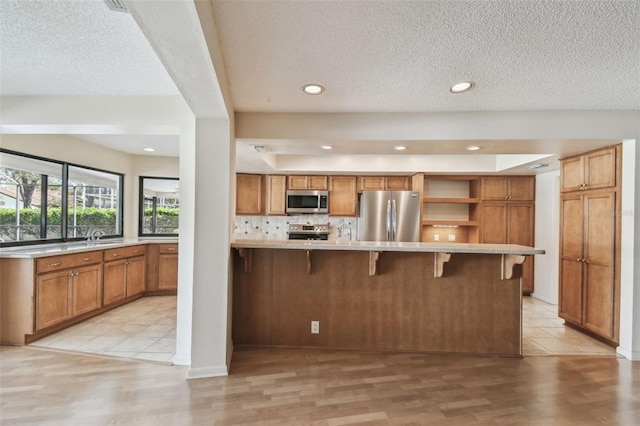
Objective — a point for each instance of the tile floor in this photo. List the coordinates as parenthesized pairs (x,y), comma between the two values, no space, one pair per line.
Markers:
(145,329)
(142,329)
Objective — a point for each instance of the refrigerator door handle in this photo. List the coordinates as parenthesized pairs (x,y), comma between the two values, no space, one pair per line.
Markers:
(389,224)
(394,222)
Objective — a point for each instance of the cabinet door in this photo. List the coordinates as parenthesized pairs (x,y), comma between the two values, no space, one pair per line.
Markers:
(317,182)
(521,189)
(371,183)
(599,252)
(297,182)
(571,174)
(87,289)
(600,169)
(115,281)
(168,271)
(494,188)
(249,194)
(571,243)
(520,230)
(343,196)
(494,219)
(397,183)
(135,276)
(53,298)
(276,195)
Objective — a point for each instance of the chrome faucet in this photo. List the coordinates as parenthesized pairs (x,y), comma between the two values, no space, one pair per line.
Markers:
(341,228)
(94,237)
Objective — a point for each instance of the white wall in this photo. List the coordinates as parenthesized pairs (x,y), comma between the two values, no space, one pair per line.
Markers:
(547,237)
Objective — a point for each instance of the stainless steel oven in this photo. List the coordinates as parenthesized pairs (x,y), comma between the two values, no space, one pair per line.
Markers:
(308,232)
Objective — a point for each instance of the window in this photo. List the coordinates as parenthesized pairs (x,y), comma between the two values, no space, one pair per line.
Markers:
(159,206)
(43,200)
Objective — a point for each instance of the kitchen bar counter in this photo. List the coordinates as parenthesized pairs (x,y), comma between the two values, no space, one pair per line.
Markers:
(389,246)
(423,297)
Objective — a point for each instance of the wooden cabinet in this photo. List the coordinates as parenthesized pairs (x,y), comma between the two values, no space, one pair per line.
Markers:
(510,223)
(124,273)
(589,276)
(343,196)
(587,261)
(249,194)
(168,267)
(378,183)
(307,182)
(276,195)
(593,170)
(514,188)
(67,286)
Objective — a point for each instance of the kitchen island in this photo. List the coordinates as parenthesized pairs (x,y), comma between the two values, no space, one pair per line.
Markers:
(424,297)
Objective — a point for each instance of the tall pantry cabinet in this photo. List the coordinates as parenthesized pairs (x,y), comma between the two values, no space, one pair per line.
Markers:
(589,281)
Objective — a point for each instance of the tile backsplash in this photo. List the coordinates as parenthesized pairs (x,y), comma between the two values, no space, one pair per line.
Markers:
(276,227)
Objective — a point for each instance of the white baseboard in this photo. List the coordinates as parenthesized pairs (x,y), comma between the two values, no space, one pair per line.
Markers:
(204,372)
(544,299)
(630,355)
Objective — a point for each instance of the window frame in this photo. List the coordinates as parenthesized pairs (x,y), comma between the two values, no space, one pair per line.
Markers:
(64,203)
(141,199)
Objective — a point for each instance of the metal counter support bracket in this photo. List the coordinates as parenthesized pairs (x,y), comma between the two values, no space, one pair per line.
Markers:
(508,262)
(309,262)
(247,255)
(439,260)
(373,262)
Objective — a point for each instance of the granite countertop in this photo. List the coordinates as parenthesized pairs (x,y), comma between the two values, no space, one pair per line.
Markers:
(44,250)
(389,246)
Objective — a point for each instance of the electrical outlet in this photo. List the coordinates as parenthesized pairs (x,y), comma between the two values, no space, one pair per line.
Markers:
(315,327)
(436,237)
(452,237)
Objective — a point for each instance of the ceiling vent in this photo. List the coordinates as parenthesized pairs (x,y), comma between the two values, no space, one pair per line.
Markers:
(117,5)
(537,166)
(261,148)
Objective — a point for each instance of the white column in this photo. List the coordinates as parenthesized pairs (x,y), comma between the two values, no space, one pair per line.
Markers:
(630,266)
(211,254)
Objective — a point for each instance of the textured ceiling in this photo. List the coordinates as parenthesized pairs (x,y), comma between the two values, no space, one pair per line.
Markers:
(71,47)
(398,56)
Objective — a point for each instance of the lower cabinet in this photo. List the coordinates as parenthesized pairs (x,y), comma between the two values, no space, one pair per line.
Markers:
(124,277)
(168,267)
(65,294)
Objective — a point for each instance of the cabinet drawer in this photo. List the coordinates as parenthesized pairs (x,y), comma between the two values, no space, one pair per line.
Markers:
(56,263)
(168,248)
(124,252)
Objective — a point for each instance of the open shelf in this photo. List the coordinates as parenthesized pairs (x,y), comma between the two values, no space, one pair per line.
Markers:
(450,200)
(450,222)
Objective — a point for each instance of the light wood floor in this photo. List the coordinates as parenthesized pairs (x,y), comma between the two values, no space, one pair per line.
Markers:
(277,386)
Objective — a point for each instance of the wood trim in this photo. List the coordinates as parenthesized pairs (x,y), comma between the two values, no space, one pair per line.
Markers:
(439,260)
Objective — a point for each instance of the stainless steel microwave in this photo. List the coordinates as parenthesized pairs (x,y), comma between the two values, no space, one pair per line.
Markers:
(307,201)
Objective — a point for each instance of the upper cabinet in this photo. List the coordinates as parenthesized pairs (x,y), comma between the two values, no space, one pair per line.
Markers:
(307,182)
(593,170)
(276,195)
(343,197)
(508,188)
(249,194)
(378,183)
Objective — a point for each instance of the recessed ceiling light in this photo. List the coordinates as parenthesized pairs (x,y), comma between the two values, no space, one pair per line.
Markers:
(312,89)
(399,147)
(149,149)
(473,148)
(327,147)
(461,87)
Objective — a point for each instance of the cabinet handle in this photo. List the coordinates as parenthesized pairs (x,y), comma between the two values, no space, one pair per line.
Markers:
(171,249)
(56,264)
(578,260)
(135,251)
(86,259)
(115,254)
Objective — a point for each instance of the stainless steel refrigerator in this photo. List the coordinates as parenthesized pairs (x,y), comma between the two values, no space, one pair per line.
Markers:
(389,216)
